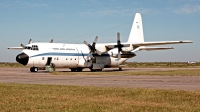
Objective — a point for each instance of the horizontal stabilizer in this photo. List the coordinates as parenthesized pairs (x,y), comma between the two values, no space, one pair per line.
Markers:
(160,43)
(16,48)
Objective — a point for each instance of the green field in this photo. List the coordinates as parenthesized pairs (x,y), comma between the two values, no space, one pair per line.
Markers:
(6,64)
(160,64)
(24,97)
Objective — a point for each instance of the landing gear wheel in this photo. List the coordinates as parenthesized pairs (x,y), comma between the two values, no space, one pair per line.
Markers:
(120,69)
(94,70)
(99,70)
(76,69)
(73,69)
(34,69)
(79,69)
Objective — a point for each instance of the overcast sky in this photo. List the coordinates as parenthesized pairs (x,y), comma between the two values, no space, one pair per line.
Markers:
(73,21)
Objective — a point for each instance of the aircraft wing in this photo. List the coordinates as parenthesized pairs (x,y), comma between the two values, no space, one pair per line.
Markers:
(16,48)
(160,43)
(155,48)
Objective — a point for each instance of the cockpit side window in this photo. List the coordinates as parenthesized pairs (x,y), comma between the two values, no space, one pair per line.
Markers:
(34,47)
(27,47)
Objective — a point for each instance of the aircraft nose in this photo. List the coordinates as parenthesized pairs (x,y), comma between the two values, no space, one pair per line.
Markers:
(22,59)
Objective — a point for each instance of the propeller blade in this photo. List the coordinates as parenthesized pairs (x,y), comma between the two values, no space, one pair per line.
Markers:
(119,46)
(119,56)
(85,43)
(88,55)
(30,41)
(118,36)
(95,41)
(23,45)
(51,41)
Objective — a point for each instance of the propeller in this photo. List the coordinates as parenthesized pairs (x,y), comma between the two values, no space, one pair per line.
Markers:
(22,45)
(51,41)
(92,48)
(29,42)
(119,45)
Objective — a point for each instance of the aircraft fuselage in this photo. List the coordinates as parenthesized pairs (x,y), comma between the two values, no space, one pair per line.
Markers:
(67,56)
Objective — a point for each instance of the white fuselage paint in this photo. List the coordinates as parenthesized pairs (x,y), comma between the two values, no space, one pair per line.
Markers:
(69,56)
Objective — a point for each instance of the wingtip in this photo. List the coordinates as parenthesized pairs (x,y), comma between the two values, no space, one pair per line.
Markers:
(186,41)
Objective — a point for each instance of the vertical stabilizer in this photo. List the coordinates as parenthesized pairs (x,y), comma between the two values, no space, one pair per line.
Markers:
(136,34)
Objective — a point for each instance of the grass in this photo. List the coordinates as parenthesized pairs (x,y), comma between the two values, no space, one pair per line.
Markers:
(25,97)
(6,64)
(189,72)
(131,64)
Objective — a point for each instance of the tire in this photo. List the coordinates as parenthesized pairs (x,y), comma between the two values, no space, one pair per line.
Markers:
(100,70)
(79,69)
(95,70)
(92,70)
(34,69)
(73,70)
(31,69)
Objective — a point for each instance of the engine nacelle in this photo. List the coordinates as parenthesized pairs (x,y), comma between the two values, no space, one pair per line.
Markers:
(127,49)
(101,48)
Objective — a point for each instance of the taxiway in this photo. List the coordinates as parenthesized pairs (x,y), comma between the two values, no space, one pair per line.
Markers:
(23,76)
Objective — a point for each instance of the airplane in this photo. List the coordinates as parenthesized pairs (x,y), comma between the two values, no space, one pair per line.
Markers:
(191,62)
(49,56)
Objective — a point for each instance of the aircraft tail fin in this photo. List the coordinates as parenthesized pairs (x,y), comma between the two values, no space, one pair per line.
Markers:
(136,34)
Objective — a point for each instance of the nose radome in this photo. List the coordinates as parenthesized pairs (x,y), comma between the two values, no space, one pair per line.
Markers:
(22,59)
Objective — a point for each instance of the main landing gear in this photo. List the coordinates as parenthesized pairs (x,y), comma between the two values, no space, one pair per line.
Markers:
(76,69)
(95,70)
(34,69)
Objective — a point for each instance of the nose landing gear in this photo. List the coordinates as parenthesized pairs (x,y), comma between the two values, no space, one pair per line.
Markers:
(34,69)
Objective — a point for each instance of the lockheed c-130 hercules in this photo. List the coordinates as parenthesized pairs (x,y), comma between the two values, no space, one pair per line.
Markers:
(49,56)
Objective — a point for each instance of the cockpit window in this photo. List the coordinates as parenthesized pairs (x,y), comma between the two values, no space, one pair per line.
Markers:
(27,47)
(34,47)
